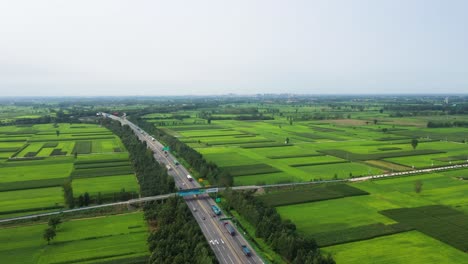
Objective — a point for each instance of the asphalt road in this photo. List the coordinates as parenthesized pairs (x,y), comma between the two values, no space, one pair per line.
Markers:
(227,248)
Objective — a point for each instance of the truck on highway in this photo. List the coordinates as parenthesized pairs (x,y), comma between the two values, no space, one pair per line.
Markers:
(246,250)
(168,167)
(215,209)
(190,178)
(229,228)
(152,139)
(176,162)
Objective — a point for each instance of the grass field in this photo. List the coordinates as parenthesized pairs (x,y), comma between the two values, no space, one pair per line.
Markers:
(440,222)
(106,184)
(32,200)
(97,239)
(404,248)
(310,194)
(25,171)
(32,180)
(315,150)
(359,217)
(336,214)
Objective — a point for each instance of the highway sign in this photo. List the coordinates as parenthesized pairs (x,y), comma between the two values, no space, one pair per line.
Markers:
(211,190)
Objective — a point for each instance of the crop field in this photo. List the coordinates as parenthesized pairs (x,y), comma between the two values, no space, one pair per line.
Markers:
(409,247)
(310,194)
(30,200)
(336,214)
(25,171)
(36,160)
(440,222)
(392,209)
(92,240)
(311,150)
(106,184)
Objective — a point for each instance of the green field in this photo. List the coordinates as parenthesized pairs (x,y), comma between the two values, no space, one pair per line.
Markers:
(38,160)
(405,248)
(336,214)
(312,193)
(30,200)
(95,239)
(106,184)
(363,217)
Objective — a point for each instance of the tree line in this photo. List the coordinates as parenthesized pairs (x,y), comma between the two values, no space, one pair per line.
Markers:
(152,177)
(280,235)
(175,236)
(208,170)
(435,124)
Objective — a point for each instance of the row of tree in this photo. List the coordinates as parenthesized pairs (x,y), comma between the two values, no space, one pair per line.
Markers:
(206,169)
(434,124)
(152,177)
(175,236)
(50,232)
(281,235)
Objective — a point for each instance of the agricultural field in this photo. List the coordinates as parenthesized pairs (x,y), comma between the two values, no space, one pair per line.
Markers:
(88,240)
(371,143)
(37,160)
(409,247)
(270,143)
(434,218)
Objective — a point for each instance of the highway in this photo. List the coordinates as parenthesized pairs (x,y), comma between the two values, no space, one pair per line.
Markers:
(227,248)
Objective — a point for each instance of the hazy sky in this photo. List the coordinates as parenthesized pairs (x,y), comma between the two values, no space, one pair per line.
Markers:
(172,47)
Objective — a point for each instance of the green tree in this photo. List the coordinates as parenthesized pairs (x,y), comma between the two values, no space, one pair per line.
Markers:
(418,186)
(57,132)
(86,199)
(286,141)
(55,221)
(49,234)
(68,194)
(80,200)
(414,143)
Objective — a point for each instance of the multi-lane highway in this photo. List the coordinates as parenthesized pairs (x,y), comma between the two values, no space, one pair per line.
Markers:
(226,247)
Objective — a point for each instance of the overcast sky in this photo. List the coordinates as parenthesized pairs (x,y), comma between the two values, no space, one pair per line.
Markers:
(172,47)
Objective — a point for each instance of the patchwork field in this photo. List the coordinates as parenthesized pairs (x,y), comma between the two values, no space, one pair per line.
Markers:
(270,142)
(37,160)
(345,226)
(92,240)
(305,151)
(409,247)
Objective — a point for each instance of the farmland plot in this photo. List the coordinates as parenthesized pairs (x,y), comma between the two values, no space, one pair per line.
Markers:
(85,240)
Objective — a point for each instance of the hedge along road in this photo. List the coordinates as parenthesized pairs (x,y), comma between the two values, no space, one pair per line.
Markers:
(247,187)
